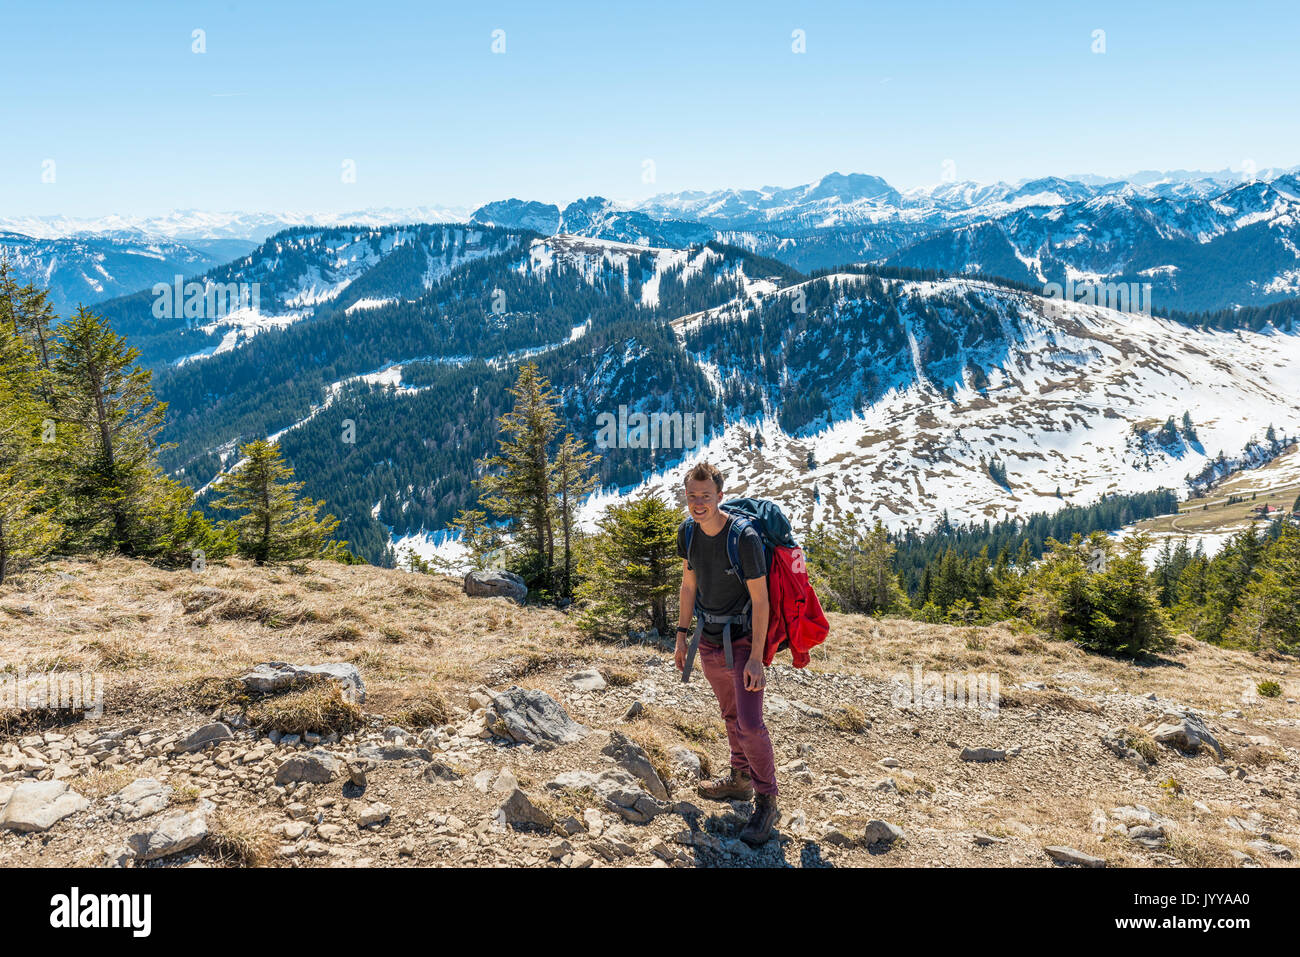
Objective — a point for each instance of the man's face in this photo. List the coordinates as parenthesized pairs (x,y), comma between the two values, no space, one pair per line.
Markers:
(702,500)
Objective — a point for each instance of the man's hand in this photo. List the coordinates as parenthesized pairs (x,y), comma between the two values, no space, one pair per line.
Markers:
(755,675)
(679,656)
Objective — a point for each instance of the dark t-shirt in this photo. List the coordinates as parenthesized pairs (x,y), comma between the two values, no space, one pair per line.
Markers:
(720,593)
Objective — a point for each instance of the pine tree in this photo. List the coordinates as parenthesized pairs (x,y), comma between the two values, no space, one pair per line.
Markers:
(630,569)
(1226,579)
(479,538)
(573,480)
(28,527)
(115,497)
(276,524)
(1268,615)
(9,296)
(855,569)
(518,484)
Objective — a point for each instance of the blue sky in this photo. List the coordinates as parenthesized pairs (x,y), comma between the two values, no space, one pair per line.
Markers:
(137,124)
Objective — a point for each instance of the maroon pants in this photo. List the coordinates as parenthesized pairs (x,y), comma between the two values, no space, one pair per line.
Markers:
(751,748)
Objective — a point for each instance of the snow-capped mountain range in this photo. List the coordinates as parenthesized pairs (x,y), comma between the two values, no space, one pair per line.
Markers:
(1204,240)
(191,224)
(1070,398)
(865,389)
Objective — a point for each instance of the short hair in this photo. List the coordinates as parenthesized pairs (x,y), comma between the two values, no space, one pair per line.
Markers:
(703,473)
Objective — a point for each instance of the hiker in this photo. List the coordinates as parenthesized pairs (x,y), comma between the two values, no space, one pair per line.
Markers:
(731,660)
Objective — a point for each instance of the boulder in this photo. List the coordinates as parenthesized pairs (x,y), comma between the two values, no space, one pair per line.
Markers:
(589,680)
(630,756)
(1068,855)
(140,798)
(273,676)
(983,754)
(529,716)
(201,738)
(39,805)
(172,835)
(373,814)
(437,771)
(1186,732)
(686,762)
(882,832)
(495,583)
(317,767)
(622,793)
(518,809)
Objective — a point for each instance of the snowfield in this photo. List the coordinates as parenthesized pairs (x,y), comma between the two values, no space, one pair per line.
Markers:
(1060,411)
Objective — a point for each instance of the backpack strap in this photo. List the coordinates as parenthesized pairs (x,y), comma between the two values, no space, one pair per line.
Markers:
(734,531)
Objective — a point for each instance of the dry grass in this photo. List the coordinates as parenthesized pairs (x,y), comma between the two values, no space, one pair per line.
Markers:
(698,731)
(848,719)
(429,711)
(238,838)
(100,784)
(1141,742)
(314,703)
(185,794)
(20,721)
(1257,756)
(617,677)
(1027,698)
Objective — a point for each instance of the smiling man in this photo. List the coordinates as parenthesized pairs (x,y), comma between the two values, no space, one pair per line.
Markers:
(732,608)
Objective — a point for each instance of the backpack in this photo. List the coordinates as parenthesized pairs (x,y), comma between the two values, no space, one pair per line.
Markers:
(795,617)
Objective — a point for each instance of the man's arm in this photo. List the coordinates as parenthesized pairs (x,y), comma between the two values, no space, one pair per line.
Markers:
(685,612)
(686,597)
(758,615)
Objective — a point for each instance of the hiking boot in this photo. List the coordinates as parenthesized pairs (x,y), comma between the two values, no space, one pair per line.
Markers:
(735,785)
(762,821)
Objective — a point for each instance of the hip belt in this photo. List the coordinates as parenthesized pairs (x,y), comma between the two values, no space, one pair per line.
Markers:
(726,621)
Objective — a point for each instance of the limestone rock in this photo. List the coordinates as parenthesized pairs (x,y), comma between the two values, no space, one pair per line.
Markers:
(496,582)
(172,835)
(273,676)
(983,754)
(201,738)
(1280,851)
(317,767)
(622,793)
(1187,733)
(630,756)
(39,805)
(529,716)
(882,832)
(518,809)
(140,798)
(1068,855)
(373,814)
(589,680)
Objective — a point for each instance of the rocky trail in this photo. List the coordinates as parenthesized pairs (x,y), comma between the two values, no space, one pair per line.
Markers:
(474,732)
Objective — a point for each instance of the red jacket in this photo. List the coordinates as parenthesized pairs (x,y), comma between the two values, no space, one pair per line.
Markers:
(796,616)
